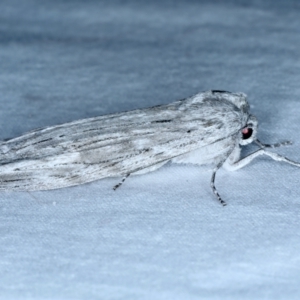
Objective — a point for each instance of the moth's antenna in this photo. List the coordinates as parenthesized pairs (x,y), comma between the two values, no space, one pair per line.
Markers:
(261,145)
(276,156)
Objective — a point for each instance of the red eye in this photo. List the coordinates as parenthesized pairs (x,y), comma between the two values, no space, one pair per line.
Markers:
(247,132)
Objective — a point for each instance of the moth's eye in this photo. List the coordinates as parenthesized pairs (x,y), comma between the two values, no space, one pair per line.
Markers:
(247,132)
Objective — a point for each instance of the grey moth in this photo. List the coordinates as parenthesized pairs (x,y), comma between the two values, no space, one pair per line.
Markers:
(207,128)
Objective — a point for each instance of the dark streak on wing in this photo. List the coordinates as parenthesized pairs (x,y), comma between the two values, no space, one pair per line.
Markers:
(220,91)
(43,141)
(12,180)
(162,121)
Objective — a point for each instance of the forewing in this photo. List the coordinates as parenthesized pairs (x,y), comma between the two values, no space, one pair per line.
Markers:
(114,145)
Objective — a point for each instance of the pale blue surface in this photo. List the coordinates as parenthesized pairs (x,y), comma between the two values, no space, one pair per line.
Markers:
(162,235)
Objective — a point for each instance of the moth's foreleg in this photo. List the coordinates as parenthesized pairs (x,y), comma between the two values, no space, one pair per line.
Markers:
(233,166)
(121,182)
(285,143)
(212,185)
(278,157)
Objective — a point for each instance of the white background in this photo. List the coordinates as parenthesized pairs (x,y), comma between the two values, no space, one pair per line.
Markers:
(162,235)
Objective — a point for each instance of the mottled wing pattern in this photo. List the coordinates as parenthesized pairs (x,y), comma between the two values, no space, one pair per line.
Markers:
(114,145)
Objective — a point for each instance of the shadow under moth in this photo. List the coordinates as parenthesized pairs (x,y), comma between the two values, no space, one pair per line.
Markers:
(207,128)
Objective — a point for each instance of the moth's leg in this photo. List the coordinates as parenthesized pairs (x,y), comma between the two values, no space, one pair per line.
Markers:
(235,165)
(278,157)
(212,185)
(285,143)
(231,165)
(141,171)
(120,183)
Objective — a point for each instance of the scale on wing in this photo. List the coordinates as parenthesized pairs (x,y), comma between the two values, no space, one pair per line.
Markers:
(116,145)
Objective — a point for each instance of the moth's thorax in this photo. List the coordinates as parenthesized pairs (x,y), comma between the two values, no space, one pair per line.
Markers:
(239,100)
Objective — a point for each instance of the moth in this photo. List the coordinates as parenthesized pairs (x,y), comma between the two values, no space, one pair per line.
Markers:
(207,128)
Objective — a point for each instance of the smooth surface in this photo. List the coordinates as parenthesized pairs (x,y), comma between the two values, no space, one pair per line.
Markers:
(161,235)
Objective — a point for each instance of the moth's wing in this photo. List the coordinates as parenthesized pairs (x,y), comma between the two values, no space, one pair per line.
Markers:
(115,145)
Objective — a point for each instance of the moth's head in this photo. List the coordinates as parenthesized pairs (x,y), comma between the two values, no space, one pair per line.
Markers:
(248,133)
